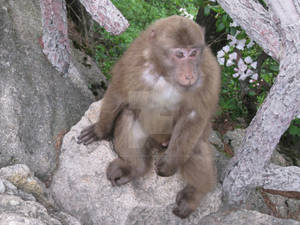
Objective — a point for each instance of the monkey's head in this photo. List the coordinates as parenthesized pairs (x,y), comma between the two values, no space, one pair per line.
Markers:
(177,46)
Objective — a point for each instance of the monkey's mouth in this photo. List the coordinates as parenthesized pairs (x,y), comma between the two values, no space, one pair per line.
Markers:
(189,83)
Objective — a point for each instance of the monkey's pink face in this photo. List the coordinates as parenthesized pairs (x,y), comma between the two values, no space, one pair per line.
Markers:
(185,62)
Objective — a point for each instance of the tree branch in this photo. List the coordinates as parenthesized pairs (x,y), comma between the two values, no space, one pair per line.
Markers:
(107,15)
(55,42)
(280,107)
(257,22)
(285,11)
(282,178)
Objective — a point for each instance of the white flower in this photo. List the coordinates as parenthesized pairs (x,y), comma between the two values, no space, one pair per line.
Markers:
(226,48)
(233,56)
(233,24)
(229,63)
(243,76)
(253,65)
(254,76)
(183,10)
(185,13)
(235,75)
(250,44)
(298,116)
(233,40)
(251,81)
(242,66)
(232,43)
(248,60)
(221,61)
(241,44)
(249,73)
(220,54)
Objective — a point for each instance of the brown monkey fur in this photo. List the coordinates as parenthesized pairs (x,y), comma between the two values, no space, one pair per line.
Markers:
(164,90)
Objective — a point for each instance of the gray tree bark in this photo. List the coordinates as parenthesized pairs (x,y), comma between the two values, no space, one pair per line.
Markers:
(277,31)
(55,41)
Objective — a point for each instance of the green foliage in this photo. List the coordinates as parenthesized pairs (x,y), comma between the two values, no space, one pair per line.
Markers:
(230,99)
(294,128)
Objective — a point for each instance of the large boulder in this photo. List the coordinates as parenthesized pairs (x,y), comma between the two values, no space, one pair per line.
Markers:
(37,103)
(80,187)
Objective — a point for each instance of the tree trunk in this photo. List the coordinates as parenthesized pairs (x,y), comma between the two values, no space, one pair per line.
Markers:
(278,32)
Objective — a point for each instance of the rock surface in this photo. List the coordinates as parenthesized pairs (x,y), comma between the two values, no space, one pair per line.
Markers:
(80,187)
(37,104)
(246,217)
(261,201)
(19,192)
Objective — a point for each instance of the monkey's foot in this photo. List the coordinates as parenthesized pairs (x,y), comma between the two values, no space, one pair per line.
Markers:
(185,201)
(119,173)
(165,167)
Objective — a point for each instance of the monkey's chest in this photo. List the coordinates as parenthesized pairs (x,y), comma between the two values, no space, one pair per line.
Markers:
(157,108)
(156,122)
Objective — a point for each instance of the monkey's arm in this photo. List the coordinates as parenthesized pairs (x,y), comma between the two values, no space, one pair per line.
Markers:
(185,136)
(112,105)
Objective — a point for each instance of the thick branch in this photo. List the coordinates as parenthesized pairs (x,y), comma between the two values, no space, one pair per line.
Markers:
(107,15)
(285,11)
(55,42)
(282,178)
(257,22)
(246,169)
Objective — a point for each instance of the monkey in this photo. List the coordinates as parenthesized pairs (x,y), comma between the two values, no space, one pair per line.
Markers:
(163,92)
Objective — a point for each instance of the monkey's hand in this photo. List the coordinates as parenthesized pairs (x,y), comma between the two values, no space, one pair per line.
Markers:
(88,135)
(166,166)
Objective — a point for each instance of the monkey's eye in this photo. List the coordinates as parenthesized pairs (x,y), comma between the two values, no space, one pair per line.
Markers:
(194,53)
(179,55)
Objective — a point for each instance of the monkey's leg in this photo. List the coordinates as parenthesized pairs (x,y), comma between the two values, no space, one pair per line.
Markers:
(130,145)
(200,174)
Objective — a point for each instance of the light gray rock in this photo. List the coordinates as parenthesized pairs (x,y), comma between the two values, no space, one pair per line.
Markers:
(221,160)
(285,207)
(2,187)
(215,140)
(234,138)
(90,72)
(18,206)
(36,102)
(80,187)
(14,210)
(244,217)
(23,183)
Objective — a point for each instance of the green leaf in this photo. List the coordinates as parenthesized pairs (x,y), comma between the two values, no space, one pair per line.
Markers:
(293,130)
(220,27)
(274,68)
(232,31)
(224,18)
(297,121)
(252,93)
(241,35)
(206,10)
